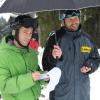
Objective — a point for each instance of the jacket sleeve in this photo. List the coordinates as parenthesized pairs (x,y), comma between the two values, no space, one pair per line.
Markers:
(13,84)
(48,61)
(94,60)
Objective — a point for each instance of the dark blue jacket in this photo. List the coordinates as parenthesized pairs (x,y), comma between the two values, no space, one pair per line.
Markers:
(78,50)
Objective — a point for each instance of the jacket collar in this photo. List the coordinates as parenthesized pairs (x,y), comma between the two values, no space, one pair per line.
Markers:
(7,43)
(73,34)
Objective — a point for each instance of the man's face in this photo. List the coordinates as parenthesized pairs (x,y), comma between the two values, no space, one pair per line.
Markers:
(72,23)
(25,35)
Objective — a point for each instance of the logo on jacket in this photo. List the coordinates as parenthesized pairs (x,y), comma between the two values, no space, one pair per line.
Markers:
(86,49)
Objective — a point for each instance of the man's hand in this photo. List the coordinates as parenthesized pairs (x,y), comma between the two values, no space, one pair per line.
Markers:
(36,76)
(56,52)
(85,69)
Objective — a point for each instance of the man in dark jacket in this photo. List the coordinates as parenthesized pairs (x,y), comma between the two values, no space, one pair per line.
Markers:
(72,50)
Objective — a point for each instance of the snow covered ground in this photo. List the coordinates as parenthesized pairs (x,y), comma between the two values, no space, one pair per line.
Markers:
(94,80)
(95,85)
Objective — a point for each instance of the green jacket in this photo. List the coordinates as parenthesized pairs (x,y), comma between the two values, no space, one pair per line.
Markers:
(16,65)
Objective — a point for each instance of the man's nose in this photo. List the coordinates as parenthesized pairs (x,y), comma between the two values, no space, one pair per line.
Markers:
(74,21)
(29,36)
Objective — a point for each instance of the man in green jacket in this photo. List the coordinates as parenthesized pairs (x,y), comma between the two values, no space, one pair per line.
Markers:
(19,75)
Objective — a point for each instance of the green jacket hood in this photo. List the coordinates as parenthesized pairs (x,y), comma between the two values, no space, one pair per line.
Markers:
(12,47)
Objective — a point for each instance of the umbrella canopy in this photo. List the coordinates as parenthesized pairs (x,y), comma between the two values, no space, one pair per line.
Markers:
(26,6)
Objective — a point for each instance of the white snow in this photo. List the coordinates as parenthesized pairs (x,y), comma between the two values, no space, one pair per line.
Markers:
(95,84)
